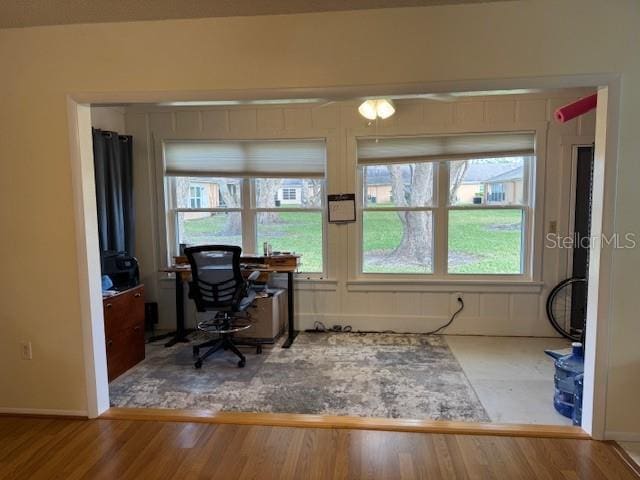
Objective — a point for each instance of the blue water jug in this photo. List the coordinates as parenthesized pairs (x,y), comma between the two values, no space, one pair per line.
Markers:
(577,408)
(567,368)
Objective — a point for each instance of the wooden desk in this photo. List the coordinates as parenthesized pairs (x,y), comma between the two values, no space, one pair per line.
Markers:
(183,275)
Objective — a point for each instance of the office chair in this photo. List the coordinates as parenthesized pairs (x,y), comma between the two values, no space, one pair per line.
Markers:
(217,286)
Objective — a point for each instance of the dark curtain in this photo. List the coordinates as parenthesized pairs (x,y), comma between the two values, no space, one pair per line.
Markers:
(113,163)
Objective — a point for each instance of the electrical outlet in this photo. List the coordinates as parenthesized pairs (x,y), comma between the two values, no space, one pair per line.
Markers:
(454,304)
(27,353)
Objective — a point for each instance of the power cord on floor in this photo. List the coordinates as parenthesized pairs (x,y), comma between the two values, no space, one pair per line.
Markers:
(319,327)
(453,317)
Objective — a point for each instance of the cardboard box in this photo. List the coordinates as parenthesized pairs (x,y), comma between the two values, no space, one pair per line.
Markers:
(266,318)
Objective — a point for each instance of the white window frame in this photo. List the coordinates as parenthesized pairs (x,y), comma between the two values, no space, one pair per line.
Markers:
(249,216)
(199,197)
(253,211)
(441,208)
(363,196)
(172,213)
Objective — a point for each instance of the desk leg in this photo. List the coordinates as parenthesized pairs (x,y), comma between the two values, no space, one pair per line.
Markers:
(293,333)
(181,332)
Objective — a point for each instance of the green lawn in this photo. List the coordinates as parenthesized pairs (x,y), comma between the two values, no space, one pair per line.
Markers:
(492,238)
(479,241)
(297,232)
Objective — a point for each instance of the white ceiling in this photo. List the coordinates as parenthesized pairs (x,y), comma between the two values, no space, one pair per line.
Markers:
(26,13)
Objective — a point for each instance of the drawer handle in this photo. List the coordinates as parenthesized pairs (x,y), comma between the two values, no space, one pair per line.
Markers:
(108,305)
(137,295)
(136,328)
(109,343)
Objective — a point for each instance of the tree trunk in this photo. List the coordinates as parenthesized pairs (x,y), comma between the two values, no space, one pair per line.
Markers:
(416,244)
(233,223)
(310,192)
(456,174)
(267,189)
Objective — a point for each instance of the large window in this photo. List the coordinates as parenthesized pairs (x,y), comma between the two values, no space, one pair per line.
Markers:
(295,225)
(398,219)
(467,215)
(254,207)
(200,221)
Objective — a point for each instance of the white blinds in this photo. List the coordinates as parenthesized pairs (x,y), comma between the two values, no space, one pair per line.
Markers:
(238,158)
(420,149)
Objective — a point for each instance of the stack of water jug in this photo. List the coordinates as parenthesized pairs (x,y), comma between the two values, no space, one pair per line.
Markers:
(568,381)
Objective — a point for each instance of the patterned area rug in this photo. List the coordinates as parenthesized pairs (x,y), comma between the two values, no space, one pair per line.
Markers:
(373,375)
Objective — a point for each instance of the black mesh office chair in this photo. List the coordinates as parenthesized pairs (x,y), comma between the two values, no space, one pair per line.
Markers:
(218,286)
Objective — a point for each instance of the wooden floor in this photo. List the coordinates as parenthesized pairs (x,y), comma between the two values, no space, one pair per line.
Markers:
(33,448)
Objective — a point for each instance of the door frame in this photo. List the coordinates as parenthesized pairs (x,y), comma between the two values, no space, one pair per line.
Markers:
(605,165)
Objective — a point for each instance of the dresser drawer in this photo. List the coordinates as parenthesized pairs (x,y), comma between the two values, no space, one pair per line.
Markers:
(124,330)
(123,310)
(124,350)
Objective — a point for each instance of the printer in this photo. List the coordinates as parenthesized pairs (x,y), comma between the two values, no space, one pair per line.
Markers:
(121,268)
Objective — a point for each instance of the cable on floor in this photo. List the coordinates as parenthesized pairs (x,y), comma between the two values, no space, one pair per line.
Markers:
(319,327)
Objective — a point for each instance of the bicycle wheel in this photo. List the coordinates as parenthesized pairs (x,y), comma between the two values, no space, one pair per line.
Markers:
(567,308)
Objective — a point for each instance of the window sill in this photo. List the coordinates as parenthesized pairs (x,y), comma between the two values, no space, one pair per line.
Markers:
(462,285)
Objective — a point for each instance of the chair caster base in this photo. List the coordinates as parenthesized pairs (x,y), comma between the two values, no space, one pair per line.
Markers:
(196,352)
(241,363)
(198,364)
(259,349)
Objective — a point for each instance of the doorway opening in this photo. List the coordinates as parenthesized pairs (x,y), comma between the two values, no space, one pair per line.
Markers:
(327,286)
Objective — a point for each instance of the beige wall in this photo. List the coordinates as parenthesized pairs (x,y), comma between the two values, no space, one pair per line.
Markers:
(382,193)
(41,66)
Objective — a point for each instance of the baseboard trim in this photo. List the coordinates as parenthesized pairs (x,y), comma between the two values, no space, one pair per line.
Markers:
(622,436)
(626,458)
(356,423)
(44,413)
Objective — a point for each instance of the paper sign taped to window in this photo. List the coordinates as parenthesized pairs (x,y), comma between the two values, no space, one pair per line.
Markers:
(342,207)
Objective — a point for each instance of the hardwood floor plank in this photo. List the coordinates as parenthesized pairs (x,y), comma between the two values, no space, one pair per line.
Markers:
(129,449)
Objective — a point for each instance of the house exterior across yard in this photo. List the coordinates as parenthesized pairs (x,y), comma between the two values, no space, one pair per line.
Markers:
(492,183)
(482,185)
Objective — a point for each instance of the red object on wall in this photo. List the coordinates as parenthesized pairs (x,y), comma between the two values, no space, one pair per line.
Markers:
(575,109)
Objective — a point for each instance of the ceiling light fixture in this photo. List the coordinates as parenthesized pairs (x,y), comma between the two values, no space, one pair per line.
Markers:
(372,109)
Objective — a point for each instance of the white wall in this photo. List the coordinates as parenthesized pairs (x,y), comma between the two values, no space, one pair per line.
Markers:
(108,118)
(343,296)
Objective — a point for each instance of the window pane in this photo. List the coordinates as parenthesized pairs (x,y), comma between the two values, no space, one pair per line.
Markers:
(487,181)
(293,232)
(288,192)
(397,242)
(399,185)
(485,241)
(207,192)
(201,228)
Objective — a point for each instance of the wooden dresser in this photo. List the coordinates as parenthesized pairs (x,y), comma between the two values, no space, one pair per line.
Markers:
(124,330)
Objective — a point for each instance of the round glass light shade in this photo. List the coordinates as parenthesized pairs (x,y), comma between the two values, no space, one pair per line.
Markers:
(385,108)
(368,109)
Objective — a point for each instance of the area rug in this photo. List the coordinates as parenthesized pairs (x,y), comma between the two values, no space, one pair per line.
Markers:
(372,375)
